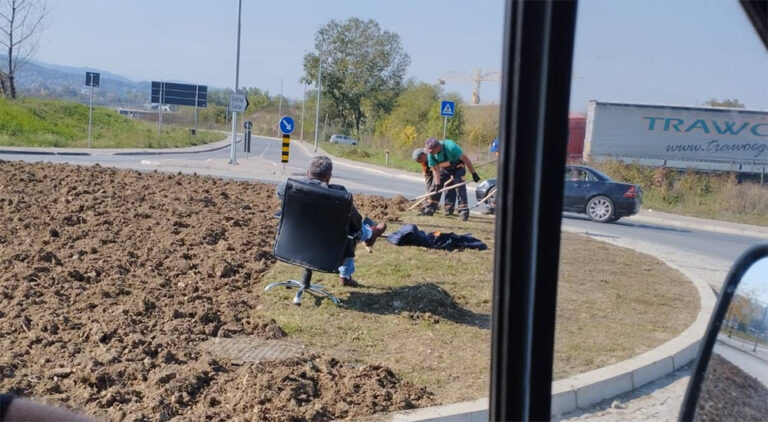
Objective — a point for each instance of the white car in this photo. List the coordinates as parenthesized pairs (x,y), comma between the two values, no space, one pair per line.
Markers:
(342,139)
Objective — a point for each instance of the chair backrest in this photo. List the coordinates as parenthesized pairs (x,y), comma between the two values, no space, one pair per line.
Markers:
(314,225)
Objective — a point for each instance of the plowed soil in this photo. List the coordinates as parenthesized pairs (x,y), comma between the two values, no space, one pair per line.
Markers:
(110,281)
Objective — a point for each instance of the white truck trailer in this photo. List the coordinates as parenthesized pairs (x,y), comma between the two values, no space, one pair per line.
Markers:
(703,138)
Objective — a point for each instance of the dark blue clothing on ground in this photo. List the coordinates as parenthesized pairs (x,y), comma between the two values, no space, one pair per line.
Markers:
(410,234)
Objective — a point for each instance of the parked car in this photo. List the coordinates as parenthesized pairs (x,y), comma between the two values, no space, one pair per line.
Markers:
(342,139)
(587,191)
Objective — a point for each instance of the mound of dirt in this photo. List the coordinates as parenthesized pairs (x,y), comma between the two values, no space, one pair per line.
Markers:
(110,280)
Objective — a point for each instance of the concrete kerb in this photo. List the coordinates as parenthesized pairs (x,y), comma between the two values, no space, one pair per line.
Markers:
(704,224)
(216,146)
(592,387)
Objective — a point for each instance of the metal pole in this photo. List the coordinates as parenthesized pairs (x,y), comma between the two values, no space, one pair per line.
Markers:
(197,95)
(325,125)
(160,109)
(303,106)
(280,107)
(319,90)
(233,153)
(90,113)
(445,124)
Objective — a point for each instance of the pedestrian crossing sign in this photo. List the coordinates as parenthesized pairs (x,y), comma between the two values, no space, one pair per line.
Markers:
(447,108)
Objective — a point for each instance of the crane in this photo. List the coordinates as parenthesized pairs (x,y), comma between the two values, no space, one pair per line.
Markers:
(477,77)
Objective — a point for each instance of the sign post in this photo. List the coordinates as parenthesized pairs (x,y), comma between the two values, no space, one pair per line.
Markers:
(237,104)
(447,109)
(247,142)
(286,126)
(92,80)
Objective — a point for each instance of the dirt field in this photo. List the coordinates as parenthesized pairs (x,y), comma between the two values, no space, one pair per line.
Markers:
(119,290)
(730,394)
(111,280)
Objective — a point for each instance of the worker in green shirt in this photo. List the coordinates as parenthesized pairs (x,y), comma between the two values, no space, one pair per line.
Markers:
(447,156)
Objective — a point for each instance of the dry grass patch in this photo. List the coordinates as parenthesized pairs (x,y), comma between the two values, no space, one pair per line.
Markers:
(426,313)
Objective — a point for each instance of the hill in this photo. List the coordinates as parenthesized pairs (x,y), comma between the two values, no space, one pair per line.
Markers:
(56,123)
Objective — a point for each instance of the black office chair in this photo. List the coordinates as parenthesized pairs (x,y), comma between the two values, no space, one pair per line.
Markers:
(313,233)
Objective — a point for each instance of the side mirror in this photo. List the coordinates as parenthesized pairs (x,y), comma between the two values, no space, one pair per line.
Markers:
(730,377)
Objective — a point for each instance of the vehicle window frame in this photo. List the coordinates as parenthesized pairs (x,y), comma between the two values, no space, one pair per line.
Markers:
(533,133)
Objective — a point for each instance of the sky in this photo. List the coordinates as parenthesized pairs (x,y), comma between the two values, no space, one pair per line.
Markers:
(655,52)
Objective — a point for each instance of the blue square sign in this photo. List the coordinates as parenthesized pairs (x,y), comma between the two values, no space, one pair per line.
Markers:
(447,108)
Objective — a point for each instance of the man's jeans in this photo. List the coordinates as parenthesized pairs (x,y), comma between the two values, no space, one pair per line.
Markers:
(348,266)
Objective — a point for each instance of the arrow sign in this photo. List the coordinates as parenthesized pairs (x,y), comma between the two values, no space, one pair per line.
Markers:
(447,108)
(286,125)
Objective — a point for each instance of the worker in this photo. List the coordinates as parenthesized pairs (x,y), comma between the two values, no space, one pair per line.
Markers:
(320,172)
(433,201)
(447,155)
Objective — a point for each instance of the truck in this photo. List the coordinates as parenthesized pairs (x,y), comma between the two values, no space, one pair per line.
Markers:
(702,138)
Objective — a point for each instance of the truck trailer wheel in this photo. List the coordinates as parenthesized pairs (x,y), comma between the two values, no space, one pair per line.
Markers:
(601,209)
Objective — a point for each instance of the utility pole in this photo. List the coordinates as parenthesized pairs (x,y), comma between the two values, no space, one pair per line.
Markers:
(319,88)
(280,107)
(303,106)
(232,153)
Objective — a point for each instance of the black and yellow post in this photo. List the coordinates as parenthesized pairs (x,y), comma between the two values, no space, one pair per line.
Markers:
(286,149)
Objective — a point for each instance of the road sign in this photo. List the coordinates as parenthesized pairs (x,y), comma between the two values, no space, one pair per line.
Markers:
(447,108)
(248,125)
(286,147)
(286,125)
(92,79)
(179,94)
(238,102)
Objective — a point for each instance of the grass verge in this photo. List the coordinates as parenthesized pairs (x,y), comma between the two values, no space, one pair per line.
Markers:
(717,196)
(32,122)
(426,313)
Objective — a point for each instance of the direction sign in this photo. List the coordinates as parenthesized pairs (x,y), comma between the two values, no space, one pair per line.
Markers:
(286,125)
(248,125)
(238,102)
(179,94)
(447,108)
(92,79)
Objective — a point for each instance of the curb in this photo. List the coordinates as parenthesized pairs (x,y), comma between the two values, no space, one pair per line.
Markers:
(225,144)
(704,224)
(590,388)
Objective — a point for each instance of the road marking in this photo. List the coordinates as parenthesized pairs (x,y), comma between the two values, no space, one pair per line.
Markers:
(265,150)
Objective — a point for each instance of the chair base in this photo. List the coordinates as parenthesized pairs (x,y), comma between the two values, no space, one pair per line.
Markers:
(303,286)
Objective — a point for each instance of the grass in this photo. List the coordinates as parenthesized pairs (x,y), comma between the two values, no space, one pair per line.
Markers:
(31,122)
(426,313)
(698,194)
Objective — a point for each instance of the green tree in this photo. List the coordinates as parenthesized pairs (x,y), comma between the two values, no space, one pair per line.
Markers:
(734,103)
(363,68)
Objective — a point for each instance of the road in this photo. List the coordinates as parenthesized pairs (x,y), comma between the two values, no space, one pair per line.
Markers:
(746,361)
(263,164)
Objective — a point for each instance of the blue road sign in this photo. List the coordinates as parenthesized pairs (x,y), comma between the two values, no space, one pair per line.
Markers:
(179,94)
(92,79)
(447,108)
(286,125)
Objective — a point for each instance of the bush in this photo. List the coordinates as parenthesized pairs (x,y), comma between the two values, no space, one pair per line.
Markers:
(695,193)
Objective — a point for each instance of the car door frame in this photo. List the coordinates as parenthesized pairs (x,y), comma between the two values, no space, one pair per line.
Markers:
(533,133)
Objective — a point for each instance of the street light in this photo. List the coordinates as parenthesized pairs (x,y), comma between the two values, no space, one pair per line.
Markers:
(319,88)
(303,106)
(232,153)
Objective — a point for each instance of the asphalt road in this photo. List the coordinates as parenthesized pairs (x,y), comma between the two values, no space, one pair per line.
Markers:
(263,164)
(748,362)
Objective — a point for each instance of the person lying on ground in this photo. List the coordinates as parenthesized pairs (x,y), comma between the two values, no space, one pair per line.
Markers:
(319,172)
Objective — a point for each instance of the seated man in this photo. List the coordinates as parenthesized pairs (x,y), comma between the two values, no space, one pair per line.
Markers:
(319,172)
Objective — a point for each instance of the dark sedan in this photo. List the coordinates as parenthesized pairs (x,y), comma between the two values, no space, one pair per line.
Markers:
(587,191)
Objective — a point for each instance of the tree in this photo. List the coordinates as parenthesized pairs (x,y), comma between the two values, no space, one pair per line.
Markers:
(362,68)
(20,24)
(734,103)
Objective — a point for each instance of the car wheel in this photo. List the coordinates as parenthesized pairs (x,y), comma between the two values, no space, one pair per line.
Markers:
(600,209)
